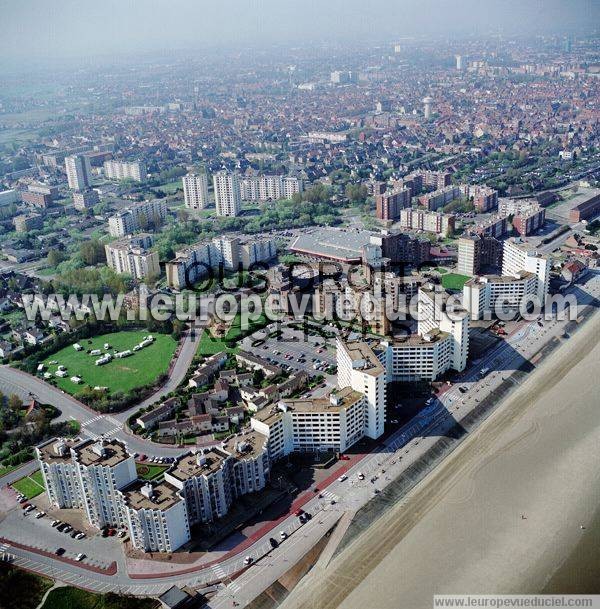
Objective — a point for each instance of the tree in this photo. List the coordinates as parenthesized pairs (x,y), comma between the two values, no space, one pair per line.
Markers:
(54,258)
(92,252)
(15,403)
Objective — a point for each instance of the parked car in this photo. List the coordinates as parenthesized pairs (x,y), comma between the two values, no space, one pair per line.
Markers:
(282,535)
(55,523)
(248,560)
(40,514)
(274,543)
(342,478)
(59,551)
(80,557)
(80,535)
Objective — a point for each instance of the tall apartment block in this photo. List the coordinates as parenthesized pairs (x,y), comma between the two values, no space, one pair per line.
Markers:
(269,187)
(137,217)
(123,170)
(334,422)
(131,256)
(195,190)
(477,251)
(389,204)
(228,198)
(432,222)
(79,172)
(520,256)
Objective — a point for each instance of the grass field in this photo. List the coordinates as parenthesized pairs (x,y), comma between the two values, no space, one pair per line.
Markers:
(74,598)
(454,281)
(150,471)
(141,368)
(30,486)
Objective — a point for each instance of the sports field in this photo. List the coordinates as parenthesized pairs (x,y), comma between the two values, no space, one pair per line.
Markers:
(140,368)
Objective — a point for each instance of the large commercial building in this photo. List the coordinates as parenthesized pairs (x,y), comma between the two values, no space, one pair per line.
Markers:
(195,190)
(520,256)
(79,172)
(137,217)
(431,222)
(269,187)
(486,295)
(228,198)
(131,256)
(586,210)
(529,222)
(124,170)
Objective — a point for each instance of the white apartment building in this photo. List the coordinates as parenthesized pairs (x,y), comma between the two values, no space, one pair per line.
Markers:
(60,473)
(254,251)
(520,256)
(79,172)
(359,368)
(213,478)
(269,187)
(193,263)
(228,199)
(482,295)
(105,467)
(123,170)
(137,217)
(229,251)
(437,310)
(333,423)
(131,256)
(195,190)
(432,222)
(156,517)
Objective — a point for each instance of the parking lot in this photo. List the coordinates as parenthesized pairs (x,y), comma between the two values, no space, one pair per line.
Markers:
(39,532)
(292,349)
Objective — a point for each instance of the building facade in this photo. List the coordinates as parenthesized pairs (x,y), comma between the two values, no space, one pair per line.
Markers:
(228,197)
(195,190)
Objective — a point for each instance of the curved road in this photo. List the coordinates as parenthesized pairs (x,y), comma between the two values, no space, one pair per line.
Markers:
(94,424)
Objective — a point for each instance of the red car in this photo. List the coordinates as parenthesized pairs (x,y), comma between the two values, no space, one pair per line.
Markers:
(299,512)
(344,458)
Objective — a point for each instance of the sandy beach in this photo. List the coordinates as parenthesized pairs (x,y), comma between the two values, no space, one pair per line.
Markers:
(502,514)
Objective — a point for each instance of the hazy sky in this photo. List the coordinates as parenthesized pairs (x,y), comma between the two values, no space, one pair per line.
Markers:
(56,28)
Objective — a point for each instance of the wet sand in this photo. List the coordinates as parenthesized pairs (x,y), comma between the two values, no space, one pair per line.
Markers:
(502,514)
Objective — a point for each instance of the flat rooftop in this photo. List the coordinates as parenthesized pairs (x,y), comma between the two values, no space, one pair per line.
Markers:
(57,450)
(106,453)
(163,496)
(416,340)
(189,466)
(359,350)
(480,279)
(333,244)
(346,397)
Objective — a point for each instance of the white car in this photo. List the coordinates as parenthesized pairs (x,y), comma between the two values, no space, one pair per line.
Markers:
(282,534)
(80,536)
(342,478)
(80,557)
(40,514)
(248,560)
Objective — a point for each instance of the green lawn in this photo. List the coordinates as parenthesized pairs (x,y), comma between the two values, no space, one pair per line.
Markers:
(150,471)
(30,486)
(74,598)
(454,281)
(141,368)
(441,270)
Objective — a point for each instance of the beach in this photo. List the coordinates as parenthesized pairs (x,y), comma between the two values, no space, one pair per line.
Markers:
(502,514)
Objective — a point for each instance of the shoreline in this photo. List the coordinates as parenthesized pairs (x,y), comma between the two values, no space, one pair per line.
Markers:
(453,500)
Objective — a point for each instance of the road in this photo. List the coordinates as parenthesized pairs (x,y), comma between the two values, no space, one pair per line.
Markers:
(404,448)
